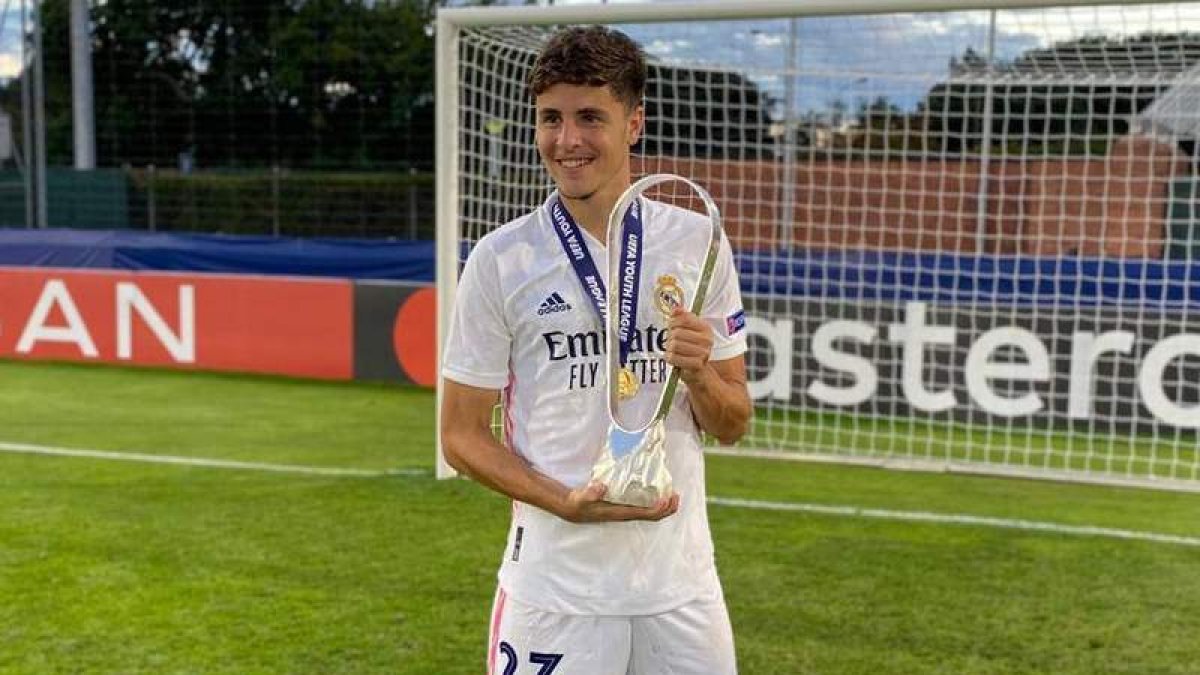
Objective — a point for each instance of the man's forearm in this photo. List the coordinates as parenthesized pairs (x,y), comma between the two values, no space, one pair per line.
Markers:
(485,460)
(720,401)
(721,407)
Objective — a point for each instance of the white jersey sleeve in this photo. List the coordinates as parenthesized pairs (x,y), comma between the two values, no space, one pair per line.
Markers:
(723,307)
(479,341)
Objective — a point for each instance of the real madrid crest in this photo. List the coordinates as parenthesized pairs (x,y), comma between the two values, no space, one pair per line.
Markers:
(668,295)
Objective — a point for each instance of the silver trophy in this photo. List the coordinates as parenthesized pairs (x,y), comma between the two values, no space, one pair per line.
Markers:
(633,465)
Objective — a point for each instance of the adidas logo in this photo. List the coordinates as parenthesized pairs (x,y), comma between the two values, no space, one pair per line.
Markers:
(553,304)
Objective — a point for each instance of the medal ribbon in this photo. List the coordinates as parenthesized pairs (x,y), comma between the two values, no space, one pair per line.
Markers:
(589,277)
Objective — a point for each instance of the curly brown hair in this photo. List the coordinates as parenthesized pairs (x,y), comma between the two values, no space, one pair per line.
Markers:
(594,56)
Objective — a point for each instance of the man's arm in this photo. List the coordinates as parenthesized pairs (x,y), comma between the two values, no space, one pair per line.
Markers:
(720,399)
(470,447)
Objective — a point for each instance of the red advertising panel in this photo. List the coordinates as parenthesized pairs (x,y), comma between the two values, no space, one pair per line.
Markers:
(286,326)
(414,337)
(395,332)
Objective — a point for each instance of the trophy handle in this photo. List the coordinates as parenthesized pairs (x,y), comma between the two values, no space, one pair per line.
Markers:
(616,227)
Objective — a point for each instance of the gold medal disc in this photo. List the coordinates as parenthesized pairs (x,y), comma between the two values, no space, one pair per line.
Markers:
(627,384)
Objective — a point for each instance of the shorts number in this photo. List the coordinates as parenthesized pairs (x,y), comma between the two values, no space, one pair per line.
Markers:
(548,662)
(510,655)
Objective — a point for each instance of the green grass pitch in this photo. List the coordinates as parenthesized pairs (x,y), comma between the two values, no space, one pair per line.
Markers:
(133,567)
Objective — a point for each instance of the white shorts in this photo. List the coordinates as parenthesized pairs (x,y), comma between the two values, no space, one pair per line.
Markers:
(695,639)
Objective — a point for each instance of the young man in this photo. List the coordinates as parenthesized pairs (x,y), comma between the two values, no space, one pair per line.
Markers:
(588,587)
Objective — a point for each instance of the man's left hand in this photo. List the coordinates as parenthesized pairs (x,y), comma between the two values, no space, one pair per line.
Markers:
(689,343)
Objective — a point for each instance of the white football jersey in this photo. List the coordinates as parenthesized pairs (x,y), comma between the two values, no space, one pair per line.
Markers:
(522,324)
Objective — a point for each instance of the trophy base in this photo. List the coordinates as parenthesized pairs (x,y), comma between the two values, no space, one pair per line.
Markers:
(639,476)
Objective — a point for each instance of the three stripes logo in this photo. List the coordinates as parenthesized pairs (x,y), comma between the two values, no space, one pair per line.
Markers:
(553,305)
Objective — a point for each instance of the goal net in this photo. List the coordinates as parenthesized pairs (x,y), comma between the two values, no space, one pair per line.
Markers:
(967,240)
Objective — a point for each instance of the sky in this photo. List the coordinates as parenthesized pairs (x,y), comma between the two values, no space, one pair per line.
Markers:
(855,59)
(10,38)
(846,59)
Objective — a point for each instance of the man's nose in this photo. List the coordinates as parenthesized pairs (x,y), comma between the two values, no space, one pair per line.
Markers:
(569,134)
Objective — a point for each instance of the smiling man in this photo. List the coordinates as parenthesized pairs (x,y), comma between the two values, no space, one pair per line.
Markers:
(588,587)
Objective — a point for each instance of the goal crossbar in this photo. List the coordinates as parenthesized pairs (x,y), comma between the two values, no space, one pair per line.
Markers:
(720,10)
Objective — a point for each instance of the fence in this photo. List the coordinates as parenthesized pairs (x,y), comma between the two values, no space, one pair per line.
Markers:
(268,118)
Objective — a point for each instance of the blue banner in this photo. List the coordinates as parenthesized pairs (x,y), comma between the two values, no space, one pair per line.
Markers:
(843,274)
(231,254)
(959,279)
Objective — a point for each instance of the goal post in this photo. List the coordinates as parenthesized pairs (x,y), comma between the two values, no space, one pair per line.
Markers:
(959,245)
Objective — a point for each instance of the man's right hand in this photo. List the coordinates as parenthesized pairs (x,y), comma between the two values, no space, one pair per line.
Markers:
(587,505)
(472,449)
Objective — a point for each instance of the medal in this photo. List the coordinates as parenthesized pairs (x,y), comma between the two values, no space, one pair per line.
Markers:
(618,311)
(668,295)
(627,384)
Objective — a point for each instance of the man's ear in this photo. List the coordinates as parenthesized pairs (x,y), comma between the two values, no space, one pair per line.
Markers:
(637,123)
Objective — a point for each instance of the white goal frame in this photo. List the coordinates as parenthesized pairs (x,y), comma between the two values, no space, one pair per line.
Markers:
(452,21)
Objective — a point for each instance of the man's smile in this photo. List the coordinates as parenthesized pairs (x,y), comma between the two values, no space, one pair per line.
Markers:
(574,162)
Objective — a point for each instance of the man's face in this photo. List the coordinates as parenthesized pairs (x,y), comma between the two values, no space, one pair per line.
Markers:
(583,136)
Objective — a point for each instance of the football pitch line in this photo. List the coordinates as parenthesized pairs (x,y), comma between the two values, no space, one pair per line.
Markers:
(28,449)
(729,502)
(959,519)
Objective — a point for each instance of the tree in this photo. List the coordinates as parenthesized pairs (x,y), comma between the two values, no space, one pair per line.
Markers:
(311,83)
(879,113)
(294,82)
(715,114)
(1035,107)
(690,112)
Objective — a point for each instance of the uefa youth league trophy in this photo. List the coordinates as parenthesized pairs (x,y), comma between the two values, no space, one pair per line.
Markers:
(633,463)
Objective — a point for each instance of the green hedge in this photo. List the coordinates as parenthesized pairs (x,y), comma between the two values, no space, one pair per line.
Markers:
(96,199)
(289,203)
